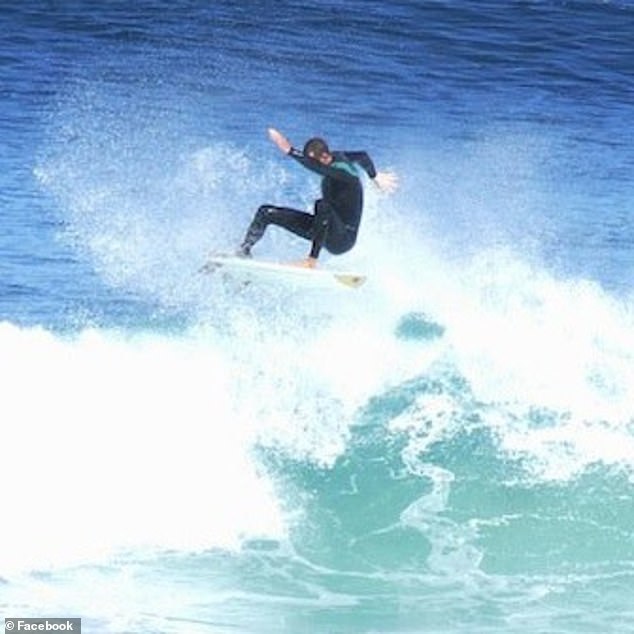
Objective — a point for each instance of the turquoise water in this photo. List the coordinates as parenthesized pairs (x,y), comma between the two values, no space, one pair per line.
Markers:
(448,449)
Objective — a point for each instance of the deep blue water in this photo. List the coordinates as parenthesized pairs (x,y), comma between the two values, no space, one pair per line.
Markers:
(448,449)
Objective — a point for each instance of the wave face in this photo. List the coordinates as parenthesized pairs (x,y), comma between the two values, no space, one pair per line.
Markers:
(449,448)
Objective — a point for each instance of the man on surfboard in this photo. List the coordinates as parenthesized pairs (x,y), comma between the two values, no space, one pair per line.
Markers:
(337,214)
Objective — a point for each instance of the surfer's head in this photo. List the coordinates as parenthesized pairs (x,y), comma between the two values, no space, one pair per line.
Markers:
(316,148)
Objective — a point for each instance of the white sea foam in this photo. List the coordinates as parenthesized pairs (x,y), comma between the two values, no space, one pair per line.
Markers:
(113,443)
(549,363)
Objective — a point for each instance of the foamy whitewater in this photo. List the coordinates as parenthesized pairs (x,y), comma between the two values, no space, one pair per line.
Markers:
(448,449)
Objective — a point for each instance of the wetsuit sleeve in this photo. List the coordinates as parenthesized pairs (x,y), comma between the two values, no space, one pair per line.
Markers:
(320,168)
(363,159)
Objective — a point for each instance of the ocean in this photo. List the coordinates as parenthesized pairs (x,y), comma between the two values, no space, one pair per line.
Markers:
(448,449)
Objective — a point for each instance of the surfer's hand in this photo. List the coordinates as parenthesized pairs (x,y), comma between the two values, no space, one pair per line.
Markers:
(307,263)
(280,140)
(386,181)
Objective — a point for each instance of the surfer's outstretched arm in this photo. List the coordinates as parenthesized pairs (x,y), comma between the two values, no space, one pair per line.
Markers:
(322,167)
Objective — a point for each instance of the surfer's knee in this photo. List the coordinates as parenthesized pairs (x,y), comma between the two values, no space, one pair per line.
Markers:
(264,212)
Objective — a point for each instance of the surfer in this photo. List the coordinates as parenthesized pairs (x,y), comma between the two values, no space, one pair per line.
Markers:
(337,214)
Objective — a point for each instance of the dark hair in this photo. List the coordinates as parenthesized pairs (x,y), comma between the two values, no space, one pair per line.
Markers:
(316,147)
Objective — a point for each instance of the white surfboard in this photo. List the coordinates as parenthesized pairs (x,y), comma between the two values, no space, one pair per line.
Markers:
(250,269)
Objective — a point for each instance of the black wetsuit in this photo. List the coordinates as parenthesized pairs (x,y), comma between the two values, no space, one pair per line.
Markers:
(335,221)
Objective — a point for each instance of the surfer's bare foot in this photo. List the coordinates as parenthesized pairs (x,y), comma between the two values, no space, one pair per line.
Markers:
(307,263)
